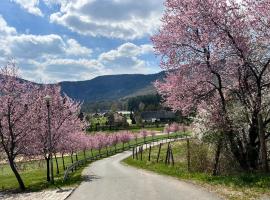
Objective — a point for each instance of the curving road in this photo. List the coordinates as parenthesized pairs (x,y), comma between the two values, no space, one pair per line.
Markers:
(108,179)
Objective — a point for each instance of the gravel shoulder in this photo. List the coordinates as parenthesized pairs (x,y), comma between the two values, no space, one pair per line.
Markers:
(46,194)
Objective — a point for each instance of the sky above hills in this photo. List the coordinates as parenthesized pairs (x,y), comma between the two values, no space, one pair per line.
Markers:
(58,40)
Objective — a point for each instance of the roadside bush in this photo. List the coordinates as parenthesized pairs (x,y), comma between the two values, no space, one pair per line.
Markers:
(200,156)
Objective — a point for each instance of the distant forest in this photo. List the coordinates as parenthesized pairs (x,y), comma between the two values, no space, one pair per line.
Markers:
(151,102)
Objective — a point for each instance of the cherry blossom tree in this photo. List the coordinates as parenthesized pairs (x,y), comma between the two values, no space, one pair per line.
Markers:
(16,119)
(64,122)
(144,134)
(152,133)
(135,135)
(216,54)
(124,137)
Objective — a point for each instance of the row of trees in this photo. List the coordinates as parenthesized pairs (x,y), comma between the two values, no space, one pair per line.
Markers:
(217,57)
(28,121)
(24,121)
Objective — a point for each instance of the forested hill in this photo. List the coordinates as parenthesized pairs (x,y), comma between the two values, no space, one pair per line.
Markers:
(111,87)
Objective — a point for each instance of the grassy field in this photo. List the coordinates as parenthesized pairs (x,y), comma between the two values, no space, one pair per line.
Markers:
(134,129)
(147,128)
(34,172)
(239,186)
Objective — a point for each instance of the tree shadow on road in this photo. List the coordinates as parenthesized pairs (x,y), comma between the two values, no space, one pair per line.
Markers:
(90,178)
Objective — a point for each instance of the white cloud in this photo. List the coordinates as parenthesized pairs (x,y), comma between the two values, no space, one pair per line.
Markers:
(5,29)
(126,58)
(34,46)
(51,58)
(74,48)
(124,19)
(31,6)
(123,60)
(64,69)
(127,50)
(38,46)
(30,46)
(51,3)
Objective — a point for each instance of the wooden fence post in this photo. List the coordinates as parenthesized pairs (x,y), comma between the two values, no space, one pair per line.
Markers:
(149,156)
(172,156)
(141,151)
(159,152)
(167,154)
(169,157)
(136,152)
(133,152)
(188,155)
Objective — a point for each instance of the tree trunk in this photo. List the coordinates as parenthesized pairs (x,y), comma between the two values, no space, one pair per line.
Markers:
(57,167)
(63,161)
(159,152)
(238,152)
(92,153)
(71,157)
(84,155)
(76,157)
(48,169)
(252,147)
(263,146)
(16,173)
(217,157)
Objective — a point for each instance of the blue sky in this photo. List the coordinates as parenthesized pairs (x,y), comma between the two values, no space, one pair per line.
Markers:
(60,40)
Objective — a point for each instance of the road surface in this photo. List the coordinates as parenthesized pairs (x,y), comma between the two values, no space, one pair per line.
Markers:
(109,179)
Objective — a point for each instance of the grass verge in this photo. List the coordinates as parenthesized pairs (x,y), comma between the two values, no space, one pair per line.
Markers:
(33,173)
(234,187)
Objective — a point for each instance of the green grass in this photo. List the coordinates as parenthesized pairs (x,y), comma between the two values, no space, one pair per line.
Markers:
(99,120)
(237,186)
(33,173)
(147,128)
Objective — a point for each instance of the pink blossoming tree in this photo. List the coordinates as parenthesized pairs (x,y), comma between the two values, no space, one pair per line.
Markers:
(216,54)
(16,119)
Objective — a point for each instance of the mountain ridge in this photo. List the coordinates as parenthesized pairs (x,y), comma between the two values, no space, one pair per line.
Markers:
(111,87)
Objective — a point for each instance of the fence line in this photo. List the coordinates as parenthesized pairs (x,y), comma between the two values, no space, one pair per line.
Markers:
(79,163)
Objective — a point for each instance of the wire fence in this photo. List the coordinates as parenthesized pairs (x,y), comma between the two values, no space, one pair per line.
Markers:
(72,168)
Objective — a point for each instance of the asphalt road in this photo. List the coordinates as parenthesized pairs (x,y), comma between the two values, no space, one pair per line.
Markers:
(109,179)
